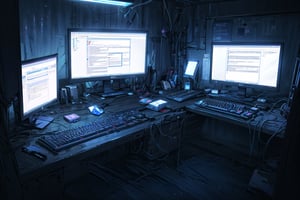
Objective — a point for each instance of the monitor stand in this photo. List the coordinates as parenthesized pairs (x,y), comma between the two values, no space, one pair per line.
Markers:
(243,93)
(40,122)
(111,88)
(114,85)
(108,86)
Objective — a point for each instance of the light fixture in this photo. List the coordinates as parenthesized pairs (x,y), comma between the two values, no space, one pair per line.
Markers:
(111,2)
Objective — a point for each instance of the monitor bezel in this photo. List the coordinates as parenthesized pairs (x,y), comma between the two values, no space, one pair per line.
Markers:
(35,111)
(221,84)
(103,78)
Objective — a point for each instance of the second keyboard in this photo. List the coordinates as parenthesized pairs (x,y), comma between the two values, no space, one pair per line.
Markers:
(183,95)
(227,107)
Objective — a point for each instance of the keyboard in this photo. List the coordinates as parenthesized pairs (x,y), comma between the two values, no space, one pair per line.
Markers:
(114,122)
(227,107)
(183,95)
(114,94)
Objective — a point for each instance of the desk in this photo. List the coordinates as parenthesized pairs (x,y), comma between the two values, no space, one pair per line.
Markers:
(260,120)
(262,134)
(31,167)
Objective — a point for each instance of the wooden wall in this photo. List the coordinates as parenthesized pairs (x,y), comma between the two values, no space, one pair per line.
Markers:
(188,29)
(248,21)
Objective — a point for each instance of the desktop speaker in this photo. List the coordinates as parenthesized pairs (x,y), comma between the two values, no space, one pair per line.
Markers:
(72,93)
(63,97)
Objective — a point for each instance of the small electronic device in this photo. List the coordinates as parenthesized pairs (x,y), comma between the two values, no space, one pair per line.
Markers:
(187,85)
(42,121)
(214,91)
(191,68)
(189,74)
(157,105)
(34,151)
(145,101)
(262,100)
(72,118)
(165,85)
(95,110)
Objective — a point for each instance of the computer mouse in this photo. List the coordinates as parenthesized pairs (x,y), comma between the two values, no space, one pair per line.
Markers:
(95,110)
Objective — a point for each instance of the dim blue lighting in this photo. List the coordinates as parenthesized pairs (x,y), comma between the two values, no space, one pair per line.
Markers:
(110,2)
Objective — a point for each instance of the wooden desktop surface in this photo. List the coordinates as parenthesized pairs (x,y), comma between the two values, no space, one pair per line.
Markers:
(30,166)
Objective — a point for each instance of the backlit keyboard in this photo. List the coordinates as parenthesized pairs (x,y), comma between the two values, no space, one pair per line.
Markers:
(183,95)
(106,125)
(227,107)
(114,94)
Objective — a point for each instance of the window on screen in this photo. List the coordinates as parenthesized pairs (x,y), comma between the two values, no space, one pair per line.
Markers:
(96,54)
(190,68)
(39,83)
(251,64)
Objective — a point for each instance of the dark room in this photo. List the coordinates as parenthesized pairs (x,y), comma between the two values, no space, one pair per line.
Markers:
(150,99)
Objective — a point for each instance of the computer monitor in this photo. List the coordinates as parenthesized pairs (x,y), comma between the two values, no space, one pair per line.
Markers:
(38,88)
(189,74)
(106,54)
(190,70)
(246,65)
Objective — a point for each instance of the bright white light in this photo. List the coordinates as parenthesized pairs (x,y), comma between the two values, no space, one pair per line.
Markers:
(110,2)
(190,68)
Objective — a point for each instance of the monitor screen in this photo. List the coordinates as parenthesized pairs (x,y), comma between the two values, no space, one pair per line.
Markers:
(246,64)
(99,54)
(191,68)
(39,84)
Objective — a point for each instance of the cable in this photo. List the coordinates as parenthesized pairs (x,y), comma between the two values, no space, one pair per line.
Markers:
(274,121)
(252,135)
(169,17)
(154,140)
(278,101)
(140,4)
(269,141)
(257,130)
(130,9)
(180,141)
(161,133)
